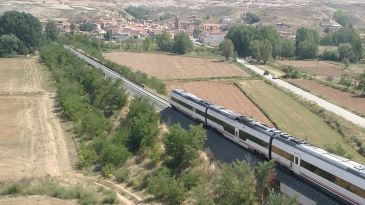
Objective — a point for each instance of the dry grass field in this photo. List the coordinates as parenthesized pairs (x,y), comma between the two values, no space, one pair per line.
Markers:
(32,141)
(319,68)
(349,100)
(169,67)
(294,118)
(38,200)
(225,94)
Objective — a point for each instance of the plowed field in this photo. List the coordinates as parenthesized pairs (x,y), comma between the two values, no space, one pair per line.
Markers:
(320,68)
(351,101)
(167,67)
(225,94)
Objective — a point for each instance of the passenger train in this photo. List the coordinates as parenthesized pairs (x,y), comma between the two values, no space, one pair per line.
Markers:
(341,176)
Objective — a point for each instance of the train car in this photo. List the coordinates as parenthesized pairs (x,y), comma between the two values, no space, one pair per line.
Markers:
(340,176)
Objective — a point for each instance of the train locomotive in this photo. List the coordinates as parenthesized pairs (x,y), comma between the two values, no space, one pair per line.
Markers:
(341,176)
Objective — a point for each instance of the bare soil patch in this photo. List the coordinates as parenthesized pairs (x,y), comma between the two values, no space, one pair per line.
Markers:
(32,141)
(349,100)
(167,67)
(225,94)
(39,200)
(320,68)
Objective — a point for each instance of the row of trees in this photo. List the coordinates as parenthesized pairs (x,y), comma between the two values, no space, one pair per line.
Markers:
(261,43)
(21,33)
(181,43)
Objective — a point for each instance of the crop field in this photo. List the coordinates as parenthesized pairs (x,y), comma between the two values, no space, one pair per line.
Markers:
(169,67)
(293,117)
(320,68)
(349,100)
(32,140)
(223,93)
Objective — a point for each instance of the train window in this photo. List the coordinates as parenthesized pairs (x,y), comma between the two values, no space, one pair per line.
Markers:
(244,136)
(200,112)
(334,179)
(296,160)
(282,153)
(182,103)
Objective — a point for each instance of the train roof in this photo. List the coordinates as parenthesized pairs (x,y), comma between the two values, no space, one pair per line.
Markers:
(335,160)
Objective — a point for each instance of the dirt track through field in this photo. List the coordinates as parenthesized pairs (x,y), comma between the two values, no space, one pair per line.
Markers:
(225,94)
(32,141)
(167,67)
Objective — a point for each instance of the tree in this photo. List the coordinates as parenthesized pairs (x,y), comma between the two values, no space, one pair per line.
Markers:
(306,43)
(182,146)
(345,51)
(143,126)
(307,49)
(261,50)
(51,31)
(361,84)
(341,18)
(24,26)
(87,27)
(147,44)
(265,174)
(235,184)
(330,54)
(242,36)
(252,18)
(227,48)
(182,43)
(113,154)
(108,35)
(279,199)
(8,45)
(270,34)
(287,49)
(164,41)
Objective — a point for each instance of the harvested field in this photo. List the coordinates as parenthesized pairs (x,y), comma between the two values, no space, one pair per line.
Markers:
(351,101)
(168,67)
(32,141)
(320,68)
(294,118)
(225,94)
(39,200)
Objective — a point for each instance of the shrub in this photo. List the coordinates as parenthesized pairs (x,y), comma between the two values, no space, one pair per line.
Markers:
(192,179)
(121,175)
(87,198)
(108,170)
(110,198)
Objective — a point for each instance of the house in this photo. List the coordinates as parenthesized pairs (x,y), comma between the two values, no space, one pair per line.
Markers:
(212,37)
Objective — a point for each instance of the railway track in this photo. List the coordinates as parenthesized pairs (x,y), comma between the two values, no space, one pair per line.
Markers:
(131,86)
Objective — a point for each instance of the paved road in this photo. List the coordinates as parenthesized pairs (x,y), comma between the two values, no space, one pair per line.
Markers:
(324,104)
(222,148)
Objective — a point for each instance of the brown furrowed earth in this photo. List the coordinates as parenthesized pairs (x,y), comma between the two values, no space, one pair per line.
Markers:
(32,141)
(39,200)
(225,94)
(319,68)
(349,100)
(169,67)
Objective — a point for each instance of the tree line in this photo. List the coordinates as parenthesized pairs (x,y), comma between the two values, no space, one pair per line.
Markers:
(181,43)
(21,33)
(263,43)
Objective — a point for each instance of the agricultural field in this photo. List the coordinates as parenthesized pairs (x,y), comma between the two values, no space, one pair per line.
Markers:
(357,68)
(226,94)
(170,67)
(319,68)
(349,100)
(39,200)
(32,141)
(293,117)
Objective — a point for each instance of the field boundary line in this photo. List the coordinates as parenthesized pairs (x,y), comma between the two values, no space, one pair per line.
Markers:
(258,106)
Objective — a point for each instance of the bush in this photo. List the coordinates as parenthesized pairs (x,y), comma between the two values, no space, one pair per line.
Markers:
(110,198)
(114,154)
(166,187)
(331,55)
(12,189)
(121,175)
(87,198)
(108,170)
(192,179)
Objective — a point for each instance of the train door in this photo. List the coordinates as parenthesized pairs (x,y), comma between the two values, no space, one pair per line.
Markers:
(296,166)
(237,134)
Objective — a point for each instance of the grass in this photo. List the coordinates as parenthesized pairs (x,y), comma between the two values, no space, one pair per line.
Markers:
(87,195)
(293,117)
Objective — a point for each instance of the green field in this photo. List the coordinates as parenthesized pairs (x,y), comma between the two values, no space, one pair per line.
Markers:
(294,118)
